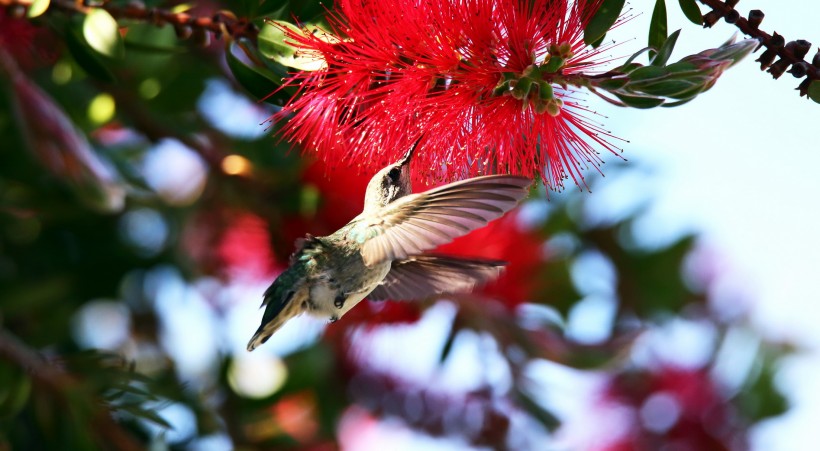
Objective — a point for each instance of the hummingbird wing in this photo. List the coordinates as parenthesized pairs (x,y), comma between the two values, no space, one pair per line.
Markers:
(418,222)
(425,275)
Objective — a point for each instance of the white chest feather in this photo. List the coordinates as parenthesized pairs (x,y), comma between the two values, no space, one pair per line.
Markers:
(332,298)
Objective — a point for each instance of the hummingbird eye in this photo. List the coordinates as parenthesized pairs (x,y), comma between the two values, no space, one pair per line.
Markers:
(394,174)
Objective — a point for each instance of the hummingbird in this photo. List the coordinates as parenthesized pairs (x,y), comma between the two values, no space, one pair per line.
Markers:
(379,253)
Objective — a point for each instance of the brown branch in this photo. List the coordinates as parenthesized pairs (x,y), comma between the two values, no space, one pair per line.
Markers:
(223,23)
(787,54)
(54,379)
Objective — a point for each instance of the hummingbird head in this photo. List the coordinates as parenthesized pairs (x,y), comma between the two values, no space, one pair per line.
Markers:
(390,183)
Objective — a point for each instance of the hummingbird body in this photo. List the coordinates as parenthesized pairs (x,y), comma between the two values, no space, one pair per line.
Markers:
(336,275)
(379,254)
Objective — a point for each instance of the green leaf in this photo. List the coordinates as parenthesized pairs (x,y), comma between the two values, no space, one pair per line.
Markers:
(666,50)
(814,91)
(647,73)
(86,58)
(37,8)
(691,11)
(667,88)
(145,414)
(657,26)
(150,48)
(15,391)
(273,9)
(273,43)
(272,39)
(245,8)
(448,344)
(260,82)
(681,67)
(543,416)
(102,33)
(676,103)
(734,52)
(603,20)
(611,84)
(634,57)
(639,101)
(598,42)
(690,93)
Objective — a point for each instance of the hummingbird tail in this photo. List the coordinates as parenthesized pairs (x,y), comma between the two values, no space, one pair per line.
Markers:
(264,333)
(279,310)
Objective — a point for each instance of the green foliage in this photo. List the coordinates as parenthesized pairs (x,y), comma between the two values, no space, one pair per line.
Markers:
(85,57)
(668,85)
(259,81)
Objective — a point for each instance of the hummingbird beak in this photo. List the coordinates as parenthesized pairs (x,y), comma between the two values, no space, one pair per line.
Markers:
(409,155)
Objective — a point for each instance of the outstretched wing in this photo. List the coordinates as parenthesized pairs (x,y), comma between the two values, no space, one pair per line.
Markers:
(418,222)
(421,276)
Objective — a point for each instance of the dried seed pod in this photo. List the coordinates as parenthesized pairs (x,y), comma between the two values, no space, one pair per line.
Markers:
(766,58)
(710,19)
(800,69)
(778,68)
(755,18)
(799,48)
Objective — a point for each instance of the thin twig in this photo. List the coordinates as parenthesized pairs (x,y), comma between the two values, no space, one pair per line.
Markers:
(223,23)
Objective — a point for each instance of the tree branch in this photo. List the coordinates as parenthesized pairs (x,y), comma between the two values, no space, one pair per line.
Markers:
(223,23)
(787,54)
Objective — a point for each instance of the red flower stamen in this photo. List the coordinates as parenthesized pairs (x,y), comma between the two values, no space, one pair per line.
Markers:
(484,82)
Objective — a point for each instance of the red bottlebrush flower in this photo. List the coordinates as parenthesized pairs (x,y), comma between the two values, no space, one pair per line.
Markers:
(479,80)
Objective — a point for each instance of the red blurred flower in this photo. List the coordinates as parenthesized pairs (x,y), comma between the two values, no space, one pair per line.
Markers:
(30,46)
(232,244)
(679,407)
(340,199)
(245,247)
(478,79)
(342,193)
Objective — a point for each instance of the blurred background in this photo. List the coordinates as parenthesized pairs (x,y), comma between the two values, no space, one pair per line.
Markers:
(145,207)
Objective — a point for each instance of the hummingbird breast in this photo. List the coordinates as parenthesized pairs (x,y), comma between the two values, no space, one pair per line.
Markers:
(339,279)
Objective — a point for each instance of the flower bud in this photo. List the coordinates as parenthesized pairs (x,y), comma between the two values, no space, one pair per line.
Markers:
(554,106)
